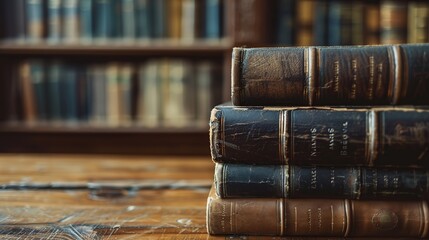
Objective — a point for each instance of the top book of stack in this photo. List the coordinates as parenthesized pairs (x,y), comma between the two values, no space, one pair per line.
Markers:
(343,75)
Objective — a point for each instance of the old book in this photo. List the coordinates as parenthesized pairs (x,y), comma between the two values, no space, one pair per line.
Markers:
(305,19)
(68,95)
(317,217)
(149,96)
(371,22)
(175,19)
(34,17)
(320,136)
(344,75)
(113,94)
(188,20)
(418,22)
(28,95)
(143,19)
(54,21)
(70,21)
(125,76)
(102,20)
(85,20)
(55,73)
(393,21)
(212,19)
(290,181)
(38,80)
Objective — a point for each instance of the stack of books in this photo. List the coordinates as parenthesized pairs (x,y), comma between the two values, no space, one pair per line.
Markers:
(323,141)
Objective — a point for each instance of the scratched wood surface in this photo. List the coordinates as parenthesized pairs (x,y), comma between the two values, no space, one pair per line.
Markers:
(103,197)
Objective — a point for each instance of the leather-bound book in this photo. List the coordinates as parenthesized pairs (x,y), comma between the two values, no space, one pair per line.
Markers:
(372,136)
(290,181)
(343,75)
(317,217)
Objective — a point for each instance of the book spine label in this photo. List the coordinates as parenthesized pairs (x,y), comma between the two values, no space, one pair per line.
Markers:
(283,181)
(403,183)
(323,136)
(318,136)
(354,75)
(317,217)
(346,75)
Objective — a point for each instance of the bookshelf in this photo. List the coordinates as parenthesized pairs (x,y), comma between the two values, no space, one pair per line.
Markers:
(52,44)
(241,23)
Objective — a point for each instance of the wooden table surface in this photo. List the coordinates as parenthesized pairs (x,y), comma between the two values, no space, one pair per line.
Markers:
(103,197)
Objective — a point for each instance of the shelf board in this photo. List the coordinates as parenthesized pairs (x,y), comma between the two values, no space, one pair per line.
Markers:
(102,129)
(19,138)
(154,48)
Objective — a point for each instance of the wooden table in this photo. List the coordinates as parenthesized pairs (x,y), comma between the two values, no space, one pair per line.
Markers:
(103,197)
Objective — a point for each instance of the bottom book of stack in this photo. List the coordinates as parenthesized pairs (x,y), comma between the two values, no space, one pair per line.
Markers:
(317,217)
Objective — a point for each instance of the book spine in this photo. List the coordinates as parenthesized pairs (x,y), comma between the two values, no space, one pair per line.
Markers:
(354,75)
(54,21)
(305,22)
(102,19)
(371,23)
(37,75)
(128,20)
(85,20)
(317,217)
(379,136)
(393,22)
(28,98)
(34,14)
(69,94)
(418,22)
(54,91)
(213,21)
(159,8)
(70,20)
(143,19)
(321,23)
(283,181)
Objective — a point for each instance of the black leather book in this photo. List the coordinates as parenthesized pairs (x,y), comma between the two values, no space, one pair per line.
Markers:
(378,136)
(289,181)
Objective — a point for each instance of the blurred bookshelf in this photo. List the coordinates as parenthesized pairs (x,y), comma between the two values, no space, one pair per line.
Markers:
(140,76)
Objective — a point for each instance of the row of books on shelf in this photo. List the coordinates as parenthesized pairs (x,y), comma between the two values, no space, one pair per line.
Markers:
(312,148)
(74,21)
(156,93)
(313,22)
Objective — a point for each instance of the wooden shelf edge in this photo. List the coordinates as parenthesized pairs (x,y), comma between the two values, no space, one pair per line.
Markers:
(106,142)
(85,128)
(140,49)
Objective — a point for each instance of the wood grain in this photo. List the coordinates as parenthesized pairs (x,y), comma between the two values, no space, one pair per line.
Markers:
(103,197)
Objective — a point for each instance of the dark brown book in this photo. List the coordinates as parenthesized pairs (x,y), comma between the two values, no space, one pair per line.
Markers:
(317,217)
(378,136)
(289,181)
(343,75)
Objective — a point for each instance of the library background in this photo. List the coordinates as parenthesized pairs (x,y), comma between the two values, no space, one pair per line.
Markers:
(140,77)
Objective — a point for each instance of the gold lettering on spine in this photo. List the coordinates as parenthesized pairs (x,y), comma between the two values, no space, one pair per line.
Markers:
(344,139)
(313,182)
(319,219)
(380,76)
(336,76)
(309,216)
(354,79)
(313,142)
(223,216)
(331,134)
(371,78)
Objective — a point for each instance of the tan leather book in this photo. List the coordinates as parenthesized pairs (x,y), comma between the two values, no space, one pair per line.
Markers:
(317,217)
